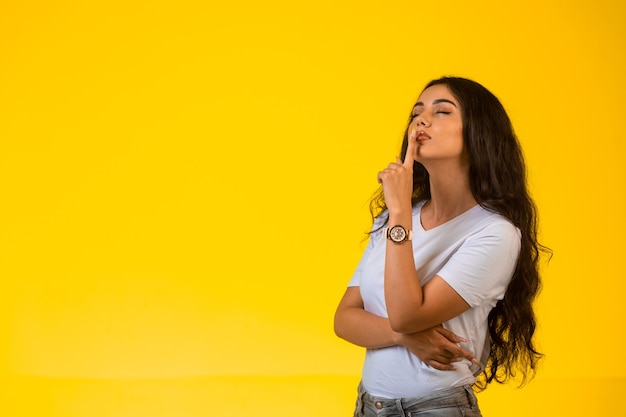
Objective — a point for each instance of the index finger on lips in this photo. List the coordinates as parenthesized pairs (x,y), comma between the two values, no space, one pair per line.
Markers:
(409,158)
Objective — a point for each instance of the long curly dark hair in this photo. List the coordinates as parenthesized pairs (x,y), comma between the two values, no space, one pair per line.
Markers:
(498,183)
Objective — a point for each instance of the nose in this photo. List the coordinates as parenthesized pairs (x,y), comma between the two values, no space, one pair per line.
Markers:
(422,119)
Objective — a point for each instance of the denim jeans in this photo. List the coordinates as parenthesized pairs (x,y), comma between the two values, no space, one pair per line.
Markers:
(452,402)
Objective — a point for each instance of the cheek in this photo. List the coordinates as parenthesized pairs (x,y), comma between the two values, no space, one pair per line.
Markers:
(460,134)
(456,136)
(458,131)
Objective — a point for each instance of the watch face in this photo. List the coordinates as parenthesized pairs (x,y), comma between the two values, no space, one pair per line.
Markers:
(397,234)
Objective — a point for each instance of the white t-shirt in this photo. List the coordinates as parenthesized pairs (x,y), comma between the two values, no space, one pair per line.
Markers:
(475,253)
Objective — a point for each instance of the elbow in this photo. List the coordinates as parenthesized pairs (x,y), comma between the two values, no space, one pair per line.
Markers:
(338,328)
(400,327)
(403,325)
(339,333)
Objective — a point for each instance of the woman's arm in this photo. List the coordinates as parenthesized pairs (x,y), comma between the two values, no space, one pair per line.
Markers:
(436,346)
(410,307)
(361,327)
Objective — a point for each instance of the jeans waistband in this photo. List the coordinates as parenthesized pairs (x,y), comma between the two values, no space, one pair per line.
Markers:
(450,397)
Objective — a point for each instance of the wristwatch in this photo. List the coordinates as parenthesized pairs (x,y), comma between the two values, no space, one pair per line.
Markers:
(397,234)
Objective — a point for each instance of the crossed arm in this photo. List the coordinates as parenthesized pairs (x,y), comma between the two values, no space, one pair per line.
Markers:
(435,346)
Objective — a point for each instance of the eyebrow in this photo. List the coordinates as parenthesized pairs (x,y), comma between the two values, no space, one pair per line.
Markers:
(439,100)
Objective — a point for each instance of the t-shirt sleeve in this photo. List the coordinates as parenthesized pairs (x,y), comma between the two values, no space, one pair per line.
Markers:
(483,265)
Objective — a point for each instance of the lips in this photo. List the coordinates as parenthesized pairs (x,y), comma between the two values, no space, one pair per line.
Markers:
(422,136)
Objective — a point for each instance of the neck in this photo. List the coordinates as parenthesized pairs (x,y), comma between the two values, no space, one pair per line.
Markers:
(451,194)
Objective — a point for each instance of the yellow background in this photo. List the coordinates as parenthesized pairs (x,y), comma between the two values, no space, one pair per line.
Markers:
(184,188)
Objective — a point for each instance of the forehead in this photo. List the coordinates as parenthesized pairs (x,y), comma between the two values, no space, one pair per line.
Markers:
(434,93)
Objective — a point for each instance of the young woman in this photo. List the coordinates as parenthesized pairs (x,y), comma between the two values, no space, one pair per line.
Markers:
(444,290)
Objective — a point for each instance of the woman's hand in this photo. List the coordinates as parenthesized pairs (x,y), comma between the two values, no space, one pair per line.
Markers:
(436,347)
(397,179)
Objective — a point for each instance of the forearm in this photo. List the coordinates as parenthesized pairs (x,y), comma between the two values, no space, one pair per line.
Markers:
(365,329)
(356,325)
(435,346)
(403,291)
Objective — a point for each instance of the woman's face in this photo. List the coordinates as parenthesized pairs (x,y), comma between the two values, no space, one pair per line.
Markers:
(437,123)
